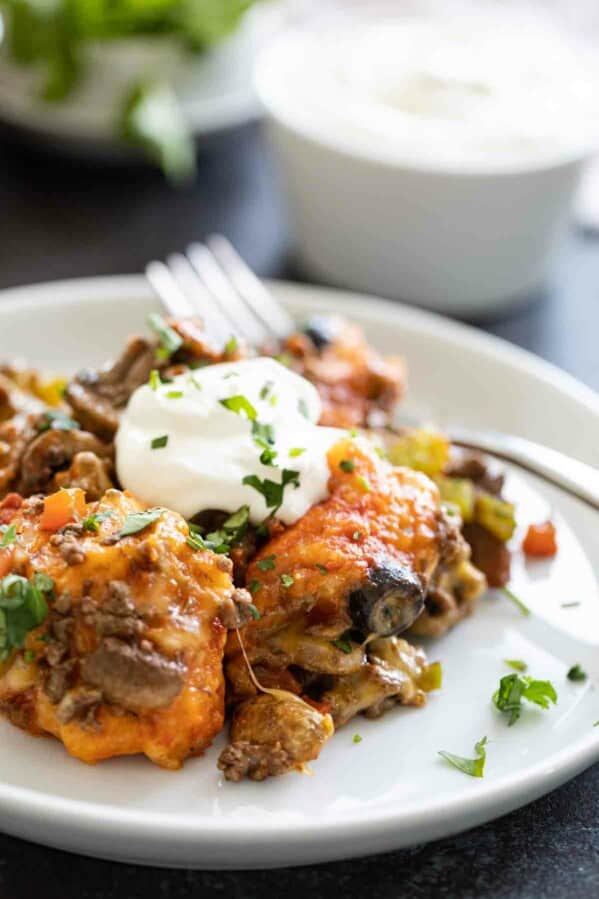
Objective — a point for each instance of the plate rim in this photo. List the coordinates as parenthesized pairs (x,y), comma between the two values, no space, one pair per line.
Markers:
(508,792)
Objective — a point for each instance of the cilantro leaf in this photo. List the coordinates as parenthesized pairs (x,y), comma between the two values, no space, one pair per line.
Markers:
(138,521)
(9,535)
(267,564)
(516,664)
(364,484)
(576,673)
(266,389)
(474,767)
(239,404)
(287,580)
(55,420)
(92,521)
(347,465)
(342,645)
(270,490)
(169,340)
(23,607)
(159,442)
(302,407)
(152,118)
(231,345)
(220,541)
(517,601)
(513,689)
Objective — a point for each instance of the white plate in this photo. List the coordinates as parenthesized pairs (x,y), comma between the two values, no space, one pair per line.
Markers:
(392,789)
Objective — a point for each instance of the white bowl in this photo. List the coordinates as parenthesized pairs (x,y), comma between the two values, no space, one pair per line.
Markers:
(459,240)
(213,88)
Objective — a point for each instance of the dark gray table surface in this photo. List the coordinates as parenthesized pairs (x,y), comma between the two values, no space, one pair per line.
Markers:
(61,220)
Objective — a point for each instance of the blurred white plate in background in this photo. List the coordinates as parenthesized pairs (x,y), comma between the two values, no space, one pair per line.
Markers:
(215,90)
(391,789)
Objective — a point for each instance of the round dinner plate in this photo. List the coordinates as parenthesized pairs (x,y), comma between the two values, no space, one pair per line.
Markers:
(391,789)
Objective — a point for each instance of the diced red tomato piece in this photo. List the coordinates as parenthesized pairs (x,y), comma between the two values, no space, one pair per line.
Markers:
(540,540)
(61,508)
(9,506)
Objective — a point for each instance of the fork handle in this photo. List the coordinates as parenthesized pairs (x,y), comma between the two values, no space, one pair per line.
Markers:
(575,477)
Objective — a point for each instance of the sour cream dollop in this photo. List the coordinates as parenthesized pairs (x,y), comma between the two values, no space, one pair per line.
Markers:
(205,441)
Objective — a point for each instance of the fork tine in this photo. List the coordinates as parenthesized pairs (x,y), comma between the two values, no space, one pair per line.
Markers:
(249,287)
(224,294)
(167,290)
(216,324)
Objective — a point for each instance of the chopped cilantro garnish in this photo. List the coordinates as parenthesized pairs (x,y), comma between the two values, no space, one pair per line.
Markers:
(231,345)
(92,521)
(254,612)
(221,541)
(352,433)
(23,607)
(169,340)
(42,582)
(267,564)
(55,420)
(287,580)
(174,394)
(138,521)
(154,381)
(356,535)
(516,600)
(473,767)
(254,586)
(303,408)
(284,359)
(516,664)
(9,535)
(266,389)
(264,437)
(576,673)
(239,404)
(342,645)
(513,689)
(29,656)
(197,542)
(268,457)
(347,465)
(297,451)
(380,452)
(364,484)
(159,442)
(273,400)
(357,738)
(322,569)
(270,490)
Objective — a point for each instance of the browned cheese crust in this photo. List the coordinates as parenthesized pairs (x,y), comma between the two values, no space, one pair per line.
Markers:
(129,659)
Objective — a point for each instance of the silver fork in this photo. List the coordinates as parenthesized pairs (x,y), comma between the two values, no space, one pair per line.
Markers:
(212,281)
